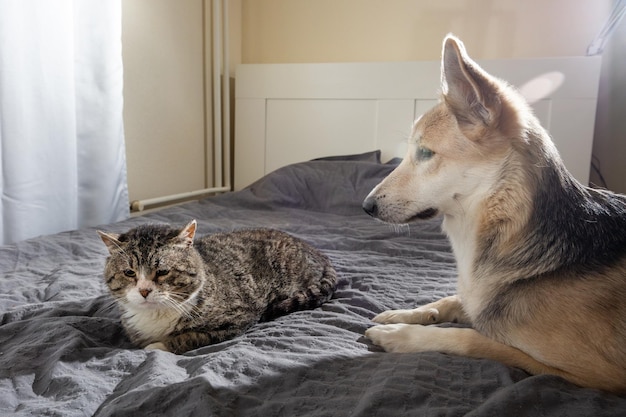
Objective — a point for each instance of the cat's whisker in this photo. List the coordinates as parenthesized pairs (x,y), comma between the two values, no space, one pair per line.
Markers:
(175,305)
(183,308)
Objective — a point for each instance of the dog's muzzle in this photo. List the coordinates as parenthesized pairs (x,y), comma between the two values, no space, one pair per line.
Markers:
(370,206)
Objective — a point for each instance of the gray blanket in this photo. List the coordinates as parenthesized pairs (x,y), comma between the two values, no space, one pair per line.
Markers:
(64,353)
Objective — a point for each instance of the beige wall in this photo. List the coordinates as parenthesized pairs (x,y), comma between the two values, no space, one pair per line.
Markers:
(167,93)
(399,30)
(235,32)
(164,109)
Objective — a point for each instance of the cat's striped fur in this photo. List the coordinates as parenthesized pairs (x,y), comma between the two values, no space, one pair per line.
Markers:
(178,294)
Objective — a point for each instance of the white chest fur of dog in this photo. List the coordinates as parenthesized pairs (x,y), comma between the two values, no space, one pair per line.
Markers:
(541,258)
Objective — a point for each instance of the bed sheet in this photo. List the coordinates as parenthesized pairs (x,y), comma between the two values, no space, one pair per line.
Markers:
(63,351)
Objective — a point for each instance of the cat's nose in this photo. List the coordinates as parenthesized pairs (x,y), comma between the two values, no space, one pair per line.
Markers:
(145,292)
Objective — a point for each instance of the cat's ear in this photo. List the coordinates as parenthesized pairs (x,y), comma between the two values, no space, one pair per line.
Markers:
(111,242)
(188,233)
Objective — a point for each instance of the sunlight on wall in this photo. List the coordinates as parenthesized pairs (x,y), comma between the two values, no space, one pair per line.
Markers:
(541,86)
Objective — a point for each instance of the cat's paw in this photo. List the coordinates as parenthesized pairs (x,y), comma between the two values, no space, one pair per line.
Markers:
(419,315)
(157,346)
(400,337)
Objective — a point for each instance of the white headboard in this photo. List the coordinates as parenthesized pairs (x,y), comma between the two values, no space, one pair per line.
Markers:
(286,113)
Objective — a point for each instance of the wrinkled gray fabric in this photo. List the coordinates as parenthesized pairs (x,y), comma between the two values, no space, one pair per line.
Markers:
(63,351)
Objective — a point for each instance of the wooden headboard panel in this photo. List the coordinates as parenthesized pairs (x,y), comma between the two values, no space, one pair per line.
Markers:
(286,113)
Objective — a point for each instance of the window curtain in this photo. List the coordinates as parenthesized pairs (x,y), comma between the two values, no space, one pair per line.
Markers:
(62,154)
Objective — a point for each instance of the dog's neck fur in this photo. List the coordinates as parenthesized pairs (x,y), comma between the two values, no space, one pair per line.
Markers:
(491,217)
(537,220)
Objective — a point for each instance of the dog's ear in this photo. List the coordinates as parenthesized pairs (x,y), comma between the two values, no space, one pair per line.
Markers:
(471,94)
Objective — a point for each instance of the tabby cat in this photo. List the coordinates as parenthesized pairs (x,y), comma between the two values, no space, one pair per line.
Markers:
(176,294)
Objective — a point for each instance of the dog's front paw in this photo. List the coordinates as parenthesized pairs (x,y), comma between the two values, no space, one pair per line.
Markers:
(418,315)
(398,337)
(157,346)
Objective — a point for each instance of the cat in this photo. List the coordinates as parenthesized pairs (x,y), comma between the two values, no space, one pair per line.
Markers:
(177,294)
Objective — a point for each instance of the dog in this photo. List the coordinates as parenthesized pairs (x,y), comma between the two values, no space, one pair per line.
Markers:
(541,259)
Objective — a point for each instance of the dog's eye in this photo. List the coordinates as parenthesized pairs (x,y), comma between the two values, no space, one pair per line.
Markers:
(424,154)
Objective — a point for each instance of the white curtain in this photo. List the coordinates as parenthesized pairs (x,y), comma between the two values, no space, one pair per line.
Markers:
(62,155)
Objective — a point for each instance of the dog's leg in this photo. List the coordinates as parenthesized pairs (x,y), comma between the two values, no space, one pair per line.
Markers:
(448,309)
(409,338)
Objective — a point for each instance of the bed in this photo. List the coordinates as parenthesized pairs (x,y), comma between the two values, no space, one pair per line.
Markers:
(63,351)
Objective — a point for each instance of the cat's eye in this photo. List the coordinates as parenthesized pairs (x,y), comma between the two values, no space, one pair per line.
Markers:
(162,272)
(130,273)
(424,154)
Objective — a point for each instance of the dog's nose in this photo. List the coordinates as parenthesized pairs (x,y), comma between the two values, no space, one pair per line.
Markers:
(370,206)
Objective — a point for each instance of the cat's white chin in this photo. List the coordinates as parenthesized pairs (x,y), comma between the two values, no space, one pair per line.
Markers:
(138,302)
(149,305)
